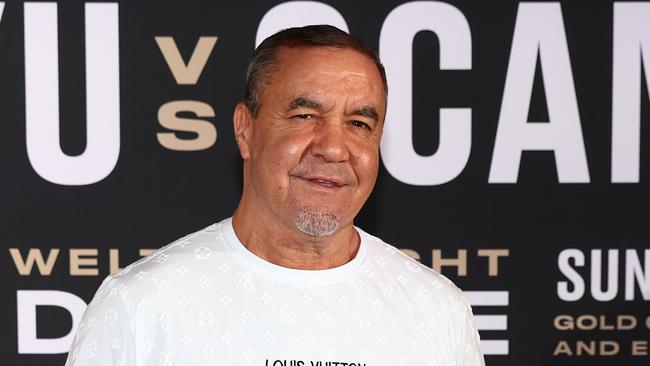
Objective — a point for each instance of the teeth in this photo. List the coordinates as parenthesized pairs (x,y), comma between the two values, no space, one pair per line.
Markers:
(325,182)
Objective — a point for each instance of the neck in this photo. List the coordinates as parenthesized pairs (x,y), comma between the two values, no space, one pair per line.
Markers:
(282,244)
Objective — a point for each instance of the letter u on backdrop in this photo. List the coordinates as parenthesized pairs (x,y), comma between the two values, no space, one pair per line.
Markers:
(102,95)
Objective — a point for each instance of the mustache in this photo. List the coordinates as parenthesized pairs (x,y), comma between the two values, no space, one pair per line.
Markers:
(335,172)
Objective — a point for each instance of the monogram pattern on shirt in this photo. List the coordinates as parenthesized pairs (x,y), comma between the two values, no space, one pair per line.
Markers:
(198,301)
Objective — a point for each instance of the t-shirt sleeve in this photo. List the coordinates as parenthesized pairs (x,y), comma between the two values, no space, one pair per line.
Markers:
(469,350)
(104,336)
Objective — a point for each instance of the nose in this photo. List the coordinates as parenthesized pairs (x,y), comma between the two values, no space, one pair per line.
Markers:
(329,142)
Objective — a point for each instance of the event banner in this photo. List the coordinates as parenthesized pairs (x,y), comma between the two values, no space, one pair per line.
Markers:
(514,157)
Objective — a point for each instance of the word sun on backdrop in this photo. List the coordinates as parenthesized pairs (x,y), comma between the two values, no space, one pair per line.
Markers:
(514,156)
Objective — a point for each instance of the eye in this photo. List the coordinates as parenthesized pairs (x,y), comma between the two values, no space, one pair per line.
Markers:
(303,116)
(361,124)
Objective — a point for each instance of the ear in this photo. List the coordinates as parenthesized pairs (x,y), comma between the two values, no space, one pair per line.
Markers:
(243,124)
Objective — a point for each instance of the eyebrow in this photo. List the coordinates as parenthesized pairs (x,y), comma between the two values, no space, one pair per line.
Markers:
(302,102)
(366,111)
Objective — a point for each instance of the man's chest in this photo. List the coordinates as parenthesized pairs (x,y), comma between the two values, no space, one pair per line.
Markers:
(291,328)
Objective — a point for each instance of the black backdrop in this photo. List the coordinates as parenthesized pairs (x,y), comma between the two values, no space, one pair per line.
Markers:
(537,225)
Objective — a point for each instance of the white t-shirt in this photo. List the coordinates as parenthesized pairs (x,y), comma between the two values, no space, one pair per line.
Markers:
(206,300)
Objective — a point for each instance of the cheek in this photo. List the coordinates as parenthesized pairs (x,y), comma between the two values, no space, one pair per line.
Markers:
(291,150)
(367,165)
(282,155)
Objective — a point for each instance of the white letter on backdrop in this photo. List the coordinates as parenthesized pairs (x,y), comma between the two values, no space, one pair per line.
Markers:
(396,47)
(298,14)
(102,95)
(636,273)
(539,29)
(631,48)
(571,274)
(597,275)
(26,303)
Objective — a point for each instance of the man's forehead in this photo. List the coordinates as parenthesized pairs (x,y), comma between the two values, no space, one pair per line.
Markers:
(300,70)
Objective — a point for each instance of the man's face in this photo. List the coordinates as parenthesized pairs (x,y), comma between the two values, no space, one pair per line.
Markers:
(313,148)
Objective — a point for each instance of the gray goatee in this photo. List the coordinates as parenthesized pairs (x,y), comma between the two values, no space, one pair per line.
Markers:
(316,223)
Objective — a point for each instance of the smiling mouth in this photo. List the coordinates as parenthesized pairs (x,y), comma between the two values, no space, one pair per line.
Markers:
(324,182)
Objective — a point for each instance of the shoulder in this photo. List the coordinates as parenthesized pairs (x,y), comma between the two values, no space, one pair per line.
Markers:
(440,309)
(424,285)
(169,266)
(199,245)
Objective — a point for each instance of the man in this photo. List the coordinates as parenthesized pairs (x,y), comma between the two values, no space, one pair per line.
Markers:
(288,281)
